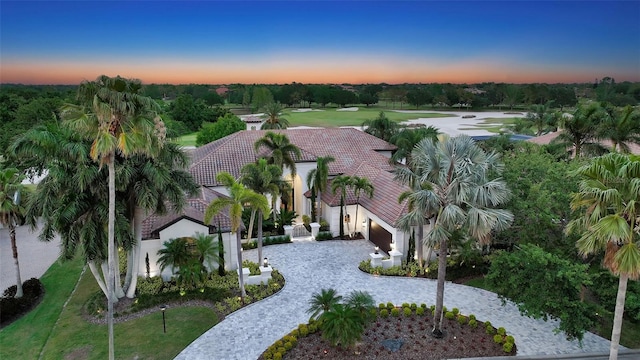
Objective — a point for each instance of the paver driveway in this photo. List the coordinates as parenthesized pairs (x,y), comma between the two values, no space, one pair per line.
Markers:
(311,266)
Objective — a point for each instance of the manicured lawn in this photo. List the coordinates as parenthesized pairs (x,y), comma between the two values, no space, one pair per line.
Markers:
(330,117)
(25,338)
(75,338)
(187,140)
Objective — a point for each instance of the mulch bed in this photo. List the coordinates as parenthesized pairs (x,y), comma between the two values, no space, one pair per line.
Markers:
(414,333)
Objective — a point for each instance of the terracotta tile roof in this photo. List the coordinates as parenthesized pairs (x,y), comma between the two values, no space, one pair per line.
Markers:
(386,191)
(193,210)
(348,146)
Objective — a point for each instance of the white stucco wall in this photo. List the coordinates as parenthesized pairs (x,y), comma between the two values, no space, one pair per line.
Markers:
(182,228)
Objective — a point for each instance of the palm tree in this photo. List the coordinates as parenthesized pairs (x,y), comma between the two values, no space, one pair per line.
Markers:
(407,139)
(362,302)
(581,129)
(273,117)
(621,127)
(239,197)
(455,185)
(263,179)
(539,116)
(381,127)
(12,213)
(360,184)
(321,302)
(608,199)
(152,185)
(342,325)
(206,250)
(317,182)
(174,254)
(121,121)
(341,182)
(281,153)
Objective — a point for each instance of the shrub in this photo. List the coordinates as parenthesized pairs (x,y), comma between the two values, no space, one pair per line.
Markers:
(288,345)
(462,319)
(324,225)
(420,311)
(281,350)
(423,305)
(405,305)
(303,329)
(507,347)
(382,306)
(449,315)
(390,306)
(510,339)
(487,323)
(395,312)
(497,338)
(413,306)
(324,235)
(473,323)
(384,313)
(490,329)
(313,328)
(455,311)
(472,317)
(407,311)
(277,356)
(502,331)
(149,286)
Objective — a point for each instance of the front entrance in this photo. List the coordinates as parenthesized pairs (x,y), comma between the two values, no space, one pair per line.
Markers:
(379,236)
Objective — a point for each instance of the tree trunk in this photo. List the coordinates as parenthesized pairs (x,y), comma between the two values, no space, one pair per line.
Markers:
(98,277)
(14,249)
(135,264)
(240,279)
(110,251)
(419,244)
(319,206)
(442,272)
(259,237)
(250,229)
(355,223)
(617,317)
(117,283)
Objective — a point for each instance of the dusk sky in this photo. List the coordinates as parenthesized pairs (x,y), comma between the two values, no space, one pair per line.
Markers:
(216,42)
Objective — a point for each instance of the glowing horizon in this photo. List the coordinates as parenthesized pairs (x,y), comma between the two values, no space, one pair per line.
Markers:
(320,42)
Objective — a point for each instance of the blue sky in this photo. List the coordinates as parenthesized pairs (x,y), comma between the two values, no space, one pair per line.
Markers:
(320,41)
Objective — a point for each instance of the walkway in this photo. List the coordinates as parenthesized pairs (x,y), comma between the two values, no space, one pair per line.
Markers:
(35,256)
(311,266)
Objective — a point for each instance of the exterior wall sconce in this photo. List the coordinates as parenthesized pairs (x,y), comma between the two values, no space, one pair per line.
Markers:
(347,218)
(265,262)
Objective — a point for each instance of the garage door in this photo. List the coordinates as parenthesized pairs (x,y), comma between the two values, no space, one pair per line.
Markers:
(379,236)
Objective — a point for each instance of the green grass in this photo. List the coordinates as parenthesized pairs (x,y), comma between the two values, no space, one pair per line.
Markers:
(187,140)
(329,117)
(74,337)
(25,338)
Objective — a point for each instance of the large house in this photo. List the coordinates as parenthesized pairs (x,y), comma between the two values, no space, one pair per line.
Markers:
(356,153)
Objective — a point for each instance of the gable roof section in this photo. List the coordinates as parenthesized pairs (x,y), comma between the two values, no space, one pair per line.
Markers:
(348,146)
(386,191)
(194,210)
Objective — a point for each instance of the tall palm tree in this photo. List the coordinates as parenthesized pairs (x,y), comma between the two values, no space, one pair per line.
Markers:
(174,254)
(381,127)
(406,140)
(281,153)
(341,183)
(263,179)
(581,130)
(539,116)
(317,182)
(12,213)
(457,188)
(273,117)
(360,185)
(239,197)
(120,121)
(621,127)
(152,185)
(608,199)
